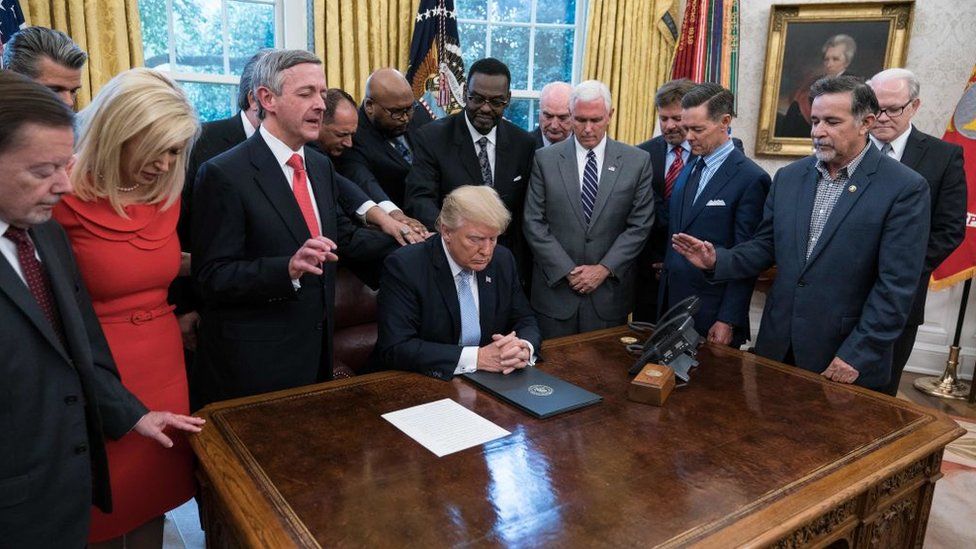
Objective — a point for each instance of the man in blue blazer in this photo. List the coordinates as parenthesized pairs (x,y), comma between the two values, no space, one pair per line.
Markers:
(453,304)
(847,229)
(718,198)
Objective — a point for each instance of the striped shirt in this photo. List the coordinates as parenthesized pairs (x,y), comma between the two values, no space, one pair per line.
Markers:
(829,191)
(713,161)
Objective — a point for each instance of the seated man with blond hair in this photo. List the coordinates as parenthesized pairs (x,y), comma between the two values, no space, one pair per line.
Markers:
(453,304)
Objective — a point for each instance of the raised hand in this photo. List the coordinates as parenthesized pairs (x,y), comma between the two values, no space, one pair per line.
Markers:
(700,253)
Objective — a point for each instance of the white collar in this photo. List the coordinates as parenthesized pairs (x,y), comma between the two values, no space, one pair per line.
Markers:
(249,129)
(455,268)
(3,227)
(476,135)
(598,150)
(278,148)
(898,144)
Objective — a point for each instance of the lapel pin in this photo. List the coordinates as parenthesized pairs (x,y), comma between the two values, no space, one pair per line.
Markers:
(488,279)
(612,168)
(852,188)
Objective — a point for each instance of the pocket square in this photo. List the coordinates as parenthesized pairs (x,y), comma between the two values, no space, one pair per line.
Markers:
(517,178)
(718,202)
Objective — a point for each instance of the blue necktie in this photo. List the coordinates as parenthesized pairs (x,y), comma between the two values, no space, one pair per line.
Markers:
(691,189)
(400,144)
(590,186)
(470,323)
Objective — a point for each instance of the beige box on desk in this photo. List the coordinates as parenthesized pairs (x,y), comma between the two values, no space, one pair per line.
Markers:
(652,385)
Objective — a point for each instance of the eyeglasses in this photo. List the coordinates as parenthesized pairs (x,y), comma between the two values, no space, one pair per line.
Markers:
(895,112)
(396,114)
(477,100)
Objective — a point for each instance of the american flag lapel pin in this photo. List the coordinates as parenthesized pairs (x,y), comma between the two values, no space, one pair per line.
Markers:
(852,188)
(612,168)
(488,279)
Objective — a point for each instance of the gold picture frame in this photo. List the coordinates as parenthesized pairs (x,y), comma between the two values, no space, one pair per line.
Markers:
(808,41)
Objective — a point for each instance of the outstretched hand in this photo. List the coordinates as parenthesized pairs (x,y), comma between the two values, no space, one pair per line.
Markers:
(153,424)
(700,253)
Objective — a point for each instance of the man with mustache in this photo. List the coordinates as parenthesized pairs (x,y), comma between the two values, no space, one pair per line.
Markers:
(847,230)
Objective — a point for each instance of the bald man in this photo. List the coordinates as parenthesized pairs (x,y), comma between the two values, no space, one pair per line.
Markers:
(555,124)
(382,148)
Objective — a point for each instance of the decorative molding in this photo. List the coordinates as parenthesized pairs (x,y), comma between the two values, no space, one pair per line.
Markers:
(894,527)
(820,527)
(901,14)
(780,16)
(895,482)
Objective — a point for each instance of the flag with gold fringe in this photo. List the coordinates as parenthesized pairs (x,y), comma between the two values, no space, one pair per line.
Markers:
(961,265)
(708,46)
(436,70)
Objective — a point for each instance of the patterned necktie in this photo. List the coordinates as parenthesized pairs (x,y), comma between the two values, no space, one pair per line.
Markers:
(886,149)
(299,185)
(470,323)
(673,171)
(590,186)
(486,177)
(400,144)
(36,277)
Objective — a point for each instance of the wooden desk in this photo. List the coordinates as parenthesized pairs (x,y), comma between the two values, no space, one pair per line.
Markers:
(752,453)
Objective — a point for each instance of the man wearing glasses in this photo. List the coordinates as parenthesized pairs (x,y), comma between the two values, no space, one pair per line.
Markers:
(941,164)
(475,147)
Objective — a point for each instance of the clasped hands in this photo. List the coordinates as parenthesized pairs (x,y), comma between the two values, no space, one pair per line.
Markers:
(504,354)
(583,279)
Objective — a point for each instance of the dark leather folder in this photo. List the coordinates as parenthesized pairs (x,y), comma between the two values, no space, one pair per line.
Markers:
(534,391)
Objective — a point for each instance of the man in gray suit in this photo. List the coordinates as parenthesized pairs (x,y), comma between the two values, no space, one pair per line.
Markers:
(588,212)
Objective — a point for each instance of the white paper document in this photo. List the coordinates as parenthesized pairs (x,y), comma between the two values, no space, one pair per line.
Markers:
(444,426)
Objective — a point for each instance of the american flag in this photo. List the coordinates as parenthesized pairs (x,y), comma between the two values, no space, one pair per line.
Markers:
(436,70)
(11,20)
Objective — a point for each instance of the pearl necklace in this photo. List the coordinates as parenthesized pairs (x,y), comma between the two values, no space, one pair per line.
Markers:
(128,189)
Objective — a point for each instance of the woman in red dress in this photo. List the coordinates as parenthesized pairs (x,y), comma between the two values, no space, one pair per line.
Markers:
(131,156)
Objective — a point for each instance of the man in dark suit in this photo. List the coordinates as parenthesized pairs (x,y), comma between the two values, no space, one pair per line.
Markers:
(846,229)
(670,153)
(719,198)
(474,147)
(941,164)
(48,57)
(266,231)
(61,391)
(453,304)
(382,147)
(588,212)
(555,123)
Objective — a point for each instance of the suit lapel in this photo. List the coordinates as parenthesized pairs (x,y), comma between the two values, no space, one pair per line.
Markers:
(464,148)
(445,283)
(319,179)
(271,180)
(569,169)
(806,196)
(719,180)
(915,149)
(63,288)
(676,200)
(860,182)
(503,170)
(608,178)
(17,291)
(486,300)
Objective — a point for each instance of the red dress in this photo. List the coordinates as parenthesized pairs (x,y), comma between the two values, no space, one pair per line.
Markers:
(127,266)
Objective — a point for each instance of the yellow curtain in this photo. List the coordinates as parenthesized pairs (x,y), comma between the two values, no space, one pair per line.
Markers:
(354,38)
(107,29)
(629,48)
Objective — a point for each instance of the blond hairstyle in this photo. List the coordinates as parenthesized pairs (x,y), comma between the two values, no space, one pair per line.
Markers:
(136,103)
(475,204)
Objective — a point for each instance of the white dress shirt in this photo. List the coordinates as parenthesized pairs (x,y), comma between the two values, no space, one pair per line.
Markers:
(282,153)
(9,250)
(248,128)
(468,361)
(599,151)
(476,135)
(898,144)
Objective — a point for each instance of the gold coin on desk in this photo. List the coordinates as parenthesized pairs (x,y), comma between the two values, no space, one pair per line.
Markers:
(628,340)
(654,373)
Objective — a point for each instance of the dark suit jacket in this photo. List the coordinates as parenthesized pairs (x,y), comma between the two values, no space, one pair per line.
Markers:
(444,158)
(740,184)
(537,135)
(941,164)
(373,163)
(420,317)
(258,333)
(56,405)
(852,297)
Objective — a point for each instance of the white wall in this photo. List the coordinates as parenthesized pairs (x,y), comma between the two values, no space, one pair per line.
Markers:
(942,52)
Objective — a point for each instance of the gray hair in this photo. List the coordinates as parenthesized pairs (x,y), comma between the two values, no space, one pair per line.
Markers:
(268,69)
(475,204)
(905,75)
(850,46)
(28,46)
(588,90)
(245,88)
(863,100)
(553,87)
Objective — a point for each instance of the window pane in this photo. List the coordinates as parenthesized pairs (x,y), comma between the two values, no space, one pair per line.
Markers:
(155,34)
(251,28)
(553,57)
(518,112)
(518,11)
(511,45)
(556,11)
(472,9)
(212,101)
(472,42)
(199,36)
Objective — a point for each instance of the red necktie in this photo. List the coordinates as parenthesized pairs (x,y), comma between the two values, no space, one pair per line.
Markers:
(37,280)
(299,185)
(673,171)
